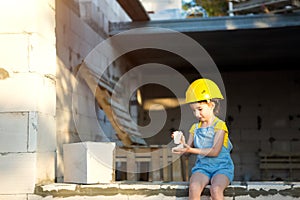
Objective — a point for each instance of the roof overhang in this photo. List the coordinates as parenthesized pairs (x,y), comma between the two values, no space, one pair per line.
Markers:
(263,42)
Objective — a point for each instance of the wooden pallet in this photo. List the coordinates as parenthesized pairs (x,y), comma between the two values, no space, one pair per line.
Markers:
(163,165)
(271,163)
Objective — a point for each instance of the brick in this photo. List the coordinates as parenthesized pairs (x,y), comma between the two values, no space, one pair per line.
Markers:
(21,15)
(66,81)
(42,53)
(17,173)
(285,134)
(35,93)
(13,127)
(249,158)
(12,46)
(45,171)
(64,121)
(13,197)
(248,146)
(83,30)
(254,135)
(42,132)
(281,146)
(84,106)
(89,162)
(63,100)
(265,146)
(244,122)
(88,128)
(295,146)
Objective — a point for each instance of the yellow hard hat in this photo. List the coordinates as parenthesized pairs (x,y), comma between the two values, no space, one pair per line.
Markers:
(202,89)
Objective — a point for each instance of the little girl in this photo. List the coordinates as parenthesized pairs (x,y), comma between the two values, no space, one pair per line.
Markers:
(209,140)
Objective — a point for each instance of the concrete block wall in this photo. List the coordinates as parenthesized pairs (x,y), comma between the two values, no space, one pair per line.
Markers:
(262,108)
(98,13)
(27,103)
(78,32)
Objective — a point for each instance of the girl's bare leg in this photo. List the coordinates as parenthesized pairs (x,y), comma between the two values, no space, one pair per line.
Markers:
(197,183)
(218,184)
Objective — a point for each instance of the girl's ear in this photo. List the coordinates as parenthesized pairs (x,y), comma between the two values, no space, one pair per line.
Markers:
(212,104)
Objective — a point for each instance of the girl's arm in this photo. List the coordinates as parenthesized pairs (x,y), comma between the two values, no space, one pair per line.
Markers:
(190,140)
(213,151)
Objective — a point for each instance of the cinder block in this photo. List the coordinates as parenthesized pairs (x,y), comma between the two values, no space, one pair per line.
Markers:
(13,197)
(21,15)
(43,51)
(45,171)
(42,132)
(13,132)
(235,135)
(89,162)
(17,173)
(254,135)
(34,93)
(285,134)
(66,81)
(12,46)
(249,158)
(84,106)
(65,121)
(295,146)
(35,197)
(88,128)
(248,146)
(265,146)
(244,123)
(63,99)
(83,30)
(282,146)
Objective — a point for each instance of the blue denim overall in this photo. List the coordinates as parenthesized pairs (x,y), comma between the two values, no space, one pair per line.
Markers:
(210,166)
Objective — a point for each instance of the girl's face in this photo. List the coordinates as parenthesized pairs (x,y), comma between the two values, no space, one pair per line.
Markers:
(203,110)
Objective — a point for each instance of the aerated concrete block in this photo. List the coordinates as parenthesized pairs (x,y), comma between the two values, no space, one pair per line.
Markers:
(45,171)
(42,132)
(17,173)
(28,92)
(13,132)
(89,162)
(13,197)
(14,46)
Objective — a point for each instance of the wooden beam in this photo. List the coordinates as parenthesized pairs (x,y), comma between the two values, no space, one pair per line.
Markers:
(101,96)
(134,9)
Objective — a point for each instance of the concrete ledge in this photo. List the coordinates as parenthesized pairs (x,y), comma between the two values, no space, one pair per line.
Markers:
(238,190)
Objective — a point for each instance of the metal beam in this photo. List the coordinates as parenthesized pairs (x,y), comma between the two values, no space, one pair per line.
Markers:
(214,23)
(134,9)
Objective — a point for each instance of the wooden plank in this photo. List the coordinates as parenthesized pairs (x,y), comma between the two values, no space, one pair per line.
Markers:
(134,9)
(131,166)
(279,166)
(279,160)
(166,166)
(186,166)
(176,168)
(155,165)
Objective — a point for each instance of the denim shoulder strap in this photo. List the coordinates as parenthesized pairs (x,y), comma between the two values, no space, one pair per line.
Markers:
(216,122)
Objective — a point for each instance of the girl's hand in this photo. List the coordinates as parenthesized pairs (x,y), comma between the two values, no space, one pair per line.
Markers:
(181,149)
